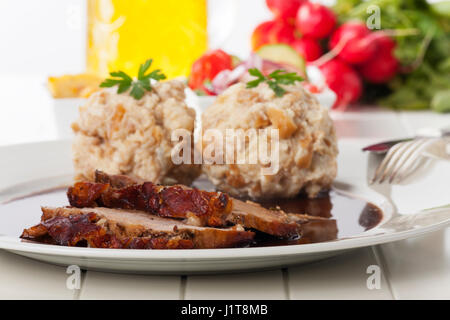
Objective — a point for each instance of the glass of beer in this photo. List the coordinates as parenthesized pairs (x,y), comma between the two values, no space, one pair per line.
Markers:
(122,34)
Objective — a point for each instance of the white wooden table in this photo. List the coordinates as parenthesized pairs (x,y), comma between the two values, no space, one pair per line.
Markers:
(412,269)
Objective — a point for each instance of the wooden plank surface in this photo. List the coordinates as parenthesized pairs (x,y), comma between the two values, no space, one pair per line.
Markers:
(419,268)
(254,285)
(103,285)
(23,278)
(341,277)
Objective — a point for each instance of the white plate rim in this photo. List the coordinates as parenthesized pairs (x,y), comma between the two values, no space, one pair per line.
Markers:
(10,243)
(198,255)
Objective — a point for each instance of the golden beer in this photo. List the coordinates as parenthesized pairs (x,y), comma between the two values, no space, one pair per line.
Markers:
(122,34)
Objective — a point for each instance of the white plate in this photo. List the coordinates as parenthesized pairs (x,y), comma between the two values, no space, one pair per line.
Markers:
(34,167)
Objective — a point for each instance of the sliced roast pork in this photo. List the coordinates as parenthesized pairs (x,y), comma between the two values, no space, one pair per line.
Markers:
(202,208)
(117,228)
(196,207)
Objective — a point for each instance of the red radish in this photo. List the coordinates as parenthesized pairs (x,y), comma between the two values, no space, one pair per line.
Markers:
(261,33)
(308,48)
(358,43)
(343,80)
(270,32)
(383,66)
(281,32)
(380,68)
(315,20)
(284,9)
(207,67)
(383,41)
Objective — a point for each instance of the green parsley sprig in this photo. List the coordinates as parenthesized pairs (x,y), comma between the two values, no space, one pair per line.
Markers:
(138,86)
(273,80)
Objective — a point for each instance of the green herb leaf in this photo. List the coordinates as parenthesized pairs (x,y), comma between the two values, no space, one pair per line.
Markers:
(137,91)
(143,68)
(279,91)
(274,80)
(139,86)
(121,74)
(156,75)
(123,87)
(110,83)
(285,78)
(255,72)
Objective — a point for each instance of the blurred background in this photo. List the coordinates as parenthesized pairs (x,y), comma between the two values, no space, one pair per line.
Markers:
(48,37)
(52,38)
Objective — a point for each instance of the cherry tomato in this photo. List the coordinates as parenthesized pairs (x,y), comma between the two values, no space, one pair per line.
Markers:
(315,20)
(207,67)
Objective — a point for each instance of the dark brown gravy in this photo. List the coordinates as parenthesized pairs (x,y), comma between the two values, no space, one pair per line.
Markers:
(353,216)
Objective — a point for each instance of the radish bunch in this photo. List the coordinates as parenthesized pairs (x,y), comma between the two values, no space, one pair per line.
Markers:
(353,53)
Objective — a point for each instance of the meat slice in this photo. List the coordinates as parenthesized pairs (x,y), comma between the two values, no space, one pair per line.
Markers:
(201,207)
(197,207)
(117,228)
(278,223)
(314,228)
(253,215)
(116,180)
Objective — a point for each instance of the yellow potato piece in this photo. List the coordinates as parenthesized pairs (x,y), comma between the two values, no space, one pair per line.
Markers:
(282,121)
(74,86)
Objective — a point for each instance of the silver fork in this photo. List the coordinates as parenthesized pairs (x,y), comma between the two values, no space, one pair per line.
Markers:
(399,160)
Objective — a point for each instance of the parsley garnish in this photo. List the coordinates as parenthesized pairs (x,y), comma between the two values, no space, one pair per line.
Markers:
(273,80)
(138,86)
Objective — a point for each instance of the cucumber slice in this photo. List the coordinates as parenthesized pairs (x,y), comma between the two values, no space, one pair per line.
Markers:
(282,53)
(235,61)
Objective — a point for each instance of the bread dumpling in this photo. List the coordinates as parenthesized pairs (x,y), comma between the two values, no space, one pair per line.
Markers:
(118,134)
(307,142)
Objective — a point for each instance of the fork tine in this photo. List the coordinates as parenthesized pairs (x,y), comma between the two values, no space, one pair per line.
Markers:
(406,170)
(385,161)
(396,156)
(410,153)
(411,162)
